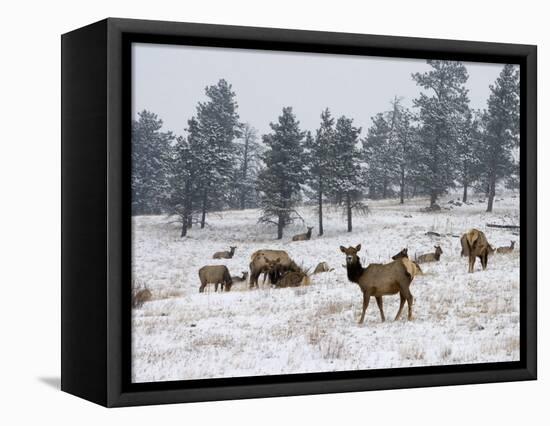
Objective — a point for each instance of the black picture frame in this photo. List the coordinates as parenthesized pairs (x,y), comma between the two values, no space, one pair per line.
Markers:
(95,284)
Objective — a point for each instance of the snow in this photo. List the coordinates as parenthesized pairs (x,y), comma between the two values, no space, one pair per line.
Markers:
(458,317)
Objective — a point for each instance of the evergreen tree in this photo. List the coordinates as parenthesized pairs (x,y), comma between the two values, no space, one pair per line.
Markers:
(150,156)
(279,183)
(376,154)
(217,127)
(438,115)
(501,130)
(469,146)
(320,156)
(347,174)
(249,153)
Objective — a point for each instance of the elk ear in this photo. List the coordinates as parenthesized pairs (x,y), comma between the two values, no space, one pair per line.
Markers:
(358,247)
(342,249)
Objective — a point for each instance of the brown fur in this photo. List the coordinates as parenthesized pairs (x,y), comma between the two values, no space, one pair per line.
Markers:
(430,257)
(215,274)
(403,253)
(379,280)
(225,254)
(505,250)
(303,237)
(475,244)
(322,267)
(140,297)
(259,263)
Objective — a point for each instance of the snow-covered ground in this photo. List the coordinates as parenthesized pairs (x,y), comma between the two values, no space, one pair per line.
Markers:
(458,317)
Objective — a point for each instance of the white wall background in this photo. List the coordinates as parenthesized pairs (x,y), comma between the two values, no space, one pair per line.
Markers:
(30,210)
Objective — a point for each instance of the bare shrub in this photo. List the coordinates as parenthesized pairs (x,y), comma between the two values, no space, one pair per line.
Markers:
(332,348)
(139,297)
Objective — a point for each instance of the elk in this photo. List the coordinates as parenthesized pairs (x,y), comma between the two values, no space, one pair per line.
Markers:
(322,267)
(237,279)
(506,250)
(282,278)
(430,257)
(412,267)
(259,263)
(379,280)
(403,253)
(305,236)
(140,297)
(225,254)
(215,274)
(474,244)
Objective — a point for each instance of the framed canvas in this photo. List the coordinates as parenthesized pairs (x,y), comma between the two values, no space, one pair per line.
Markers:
(233,198)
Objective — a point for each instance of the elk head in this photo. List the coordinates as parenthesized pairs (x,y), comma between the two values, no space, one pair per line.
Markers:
(351,254)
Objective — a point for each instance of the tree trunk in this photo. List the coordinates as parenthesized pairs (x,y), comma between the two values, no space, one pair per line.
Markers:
(204,200)
(245,169)
(402,188)
(491,196)
(280,226)
(465,193)
(348,208)
(320,199)
(183,227)
(433,198)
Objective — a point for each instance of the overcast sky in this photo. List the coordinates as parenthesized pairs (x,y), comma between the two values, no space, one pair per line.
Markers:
(170,80)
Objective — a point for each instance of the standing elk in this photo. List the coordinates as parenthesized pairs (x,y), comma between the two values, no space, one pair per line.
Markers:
(403,253)
(475,244)
(225,254)
(506,250)
(305,236)
(430,257)
(215,274)
(259,263)
(379,280)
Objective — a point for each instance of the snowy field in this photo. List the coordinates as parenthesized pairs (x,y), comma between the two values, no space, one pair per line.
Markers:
(458,317)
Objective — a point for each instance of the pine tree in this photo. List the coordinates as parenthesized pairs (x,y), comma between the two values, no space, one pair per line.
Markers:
(347,173)
(438,115)
(469,146)
(185,169)
(501,130)
(217,127)
(279,183)
(150,156)
(320,156)
(249,153)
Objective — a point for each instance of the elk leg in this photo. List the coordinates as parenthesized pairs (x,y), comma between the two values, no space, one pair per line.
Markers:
(401,304)
(471,263)
(216,287)
(484,261)
(366,298)
(381,307)
(410,305)
(201,288)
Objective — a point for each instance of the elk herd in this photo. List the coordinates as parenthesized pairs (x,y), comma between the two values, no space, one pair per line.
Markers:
(375,280)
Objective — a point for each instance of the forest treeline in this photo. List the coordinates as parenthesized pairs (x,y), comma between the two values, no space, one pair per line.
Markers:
(222,163)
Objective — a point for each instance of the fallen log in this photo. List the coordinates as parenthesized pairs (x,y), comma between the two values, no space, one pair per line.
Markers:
(494,225)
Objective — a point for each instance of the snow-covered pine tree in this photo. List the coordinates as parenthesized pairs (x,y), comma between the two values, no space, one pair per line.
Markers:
(185,170)
(249,152)
(217,126)
(347,174)
(320,155)
(279,183)
(438,111)
(469,148)
(501,130)
(376,155)
(150,156)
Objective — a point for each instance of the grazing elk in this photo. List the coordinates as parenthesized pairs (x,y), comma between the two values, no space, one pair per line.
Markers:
(322,267)
(259,263)
(506,250)
(379,280)
(475,244)
(237,279)
(430,257)
(305,236)
(225,254)
(283,277)
(215,274)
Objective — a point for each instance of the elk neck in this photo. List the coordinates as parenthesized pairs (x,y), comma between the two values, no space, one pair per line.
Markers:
(355,270)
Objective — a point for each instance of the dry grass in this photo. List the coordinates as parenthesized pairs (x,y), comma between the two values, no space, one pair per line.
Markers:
(412,352)
(214,340)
